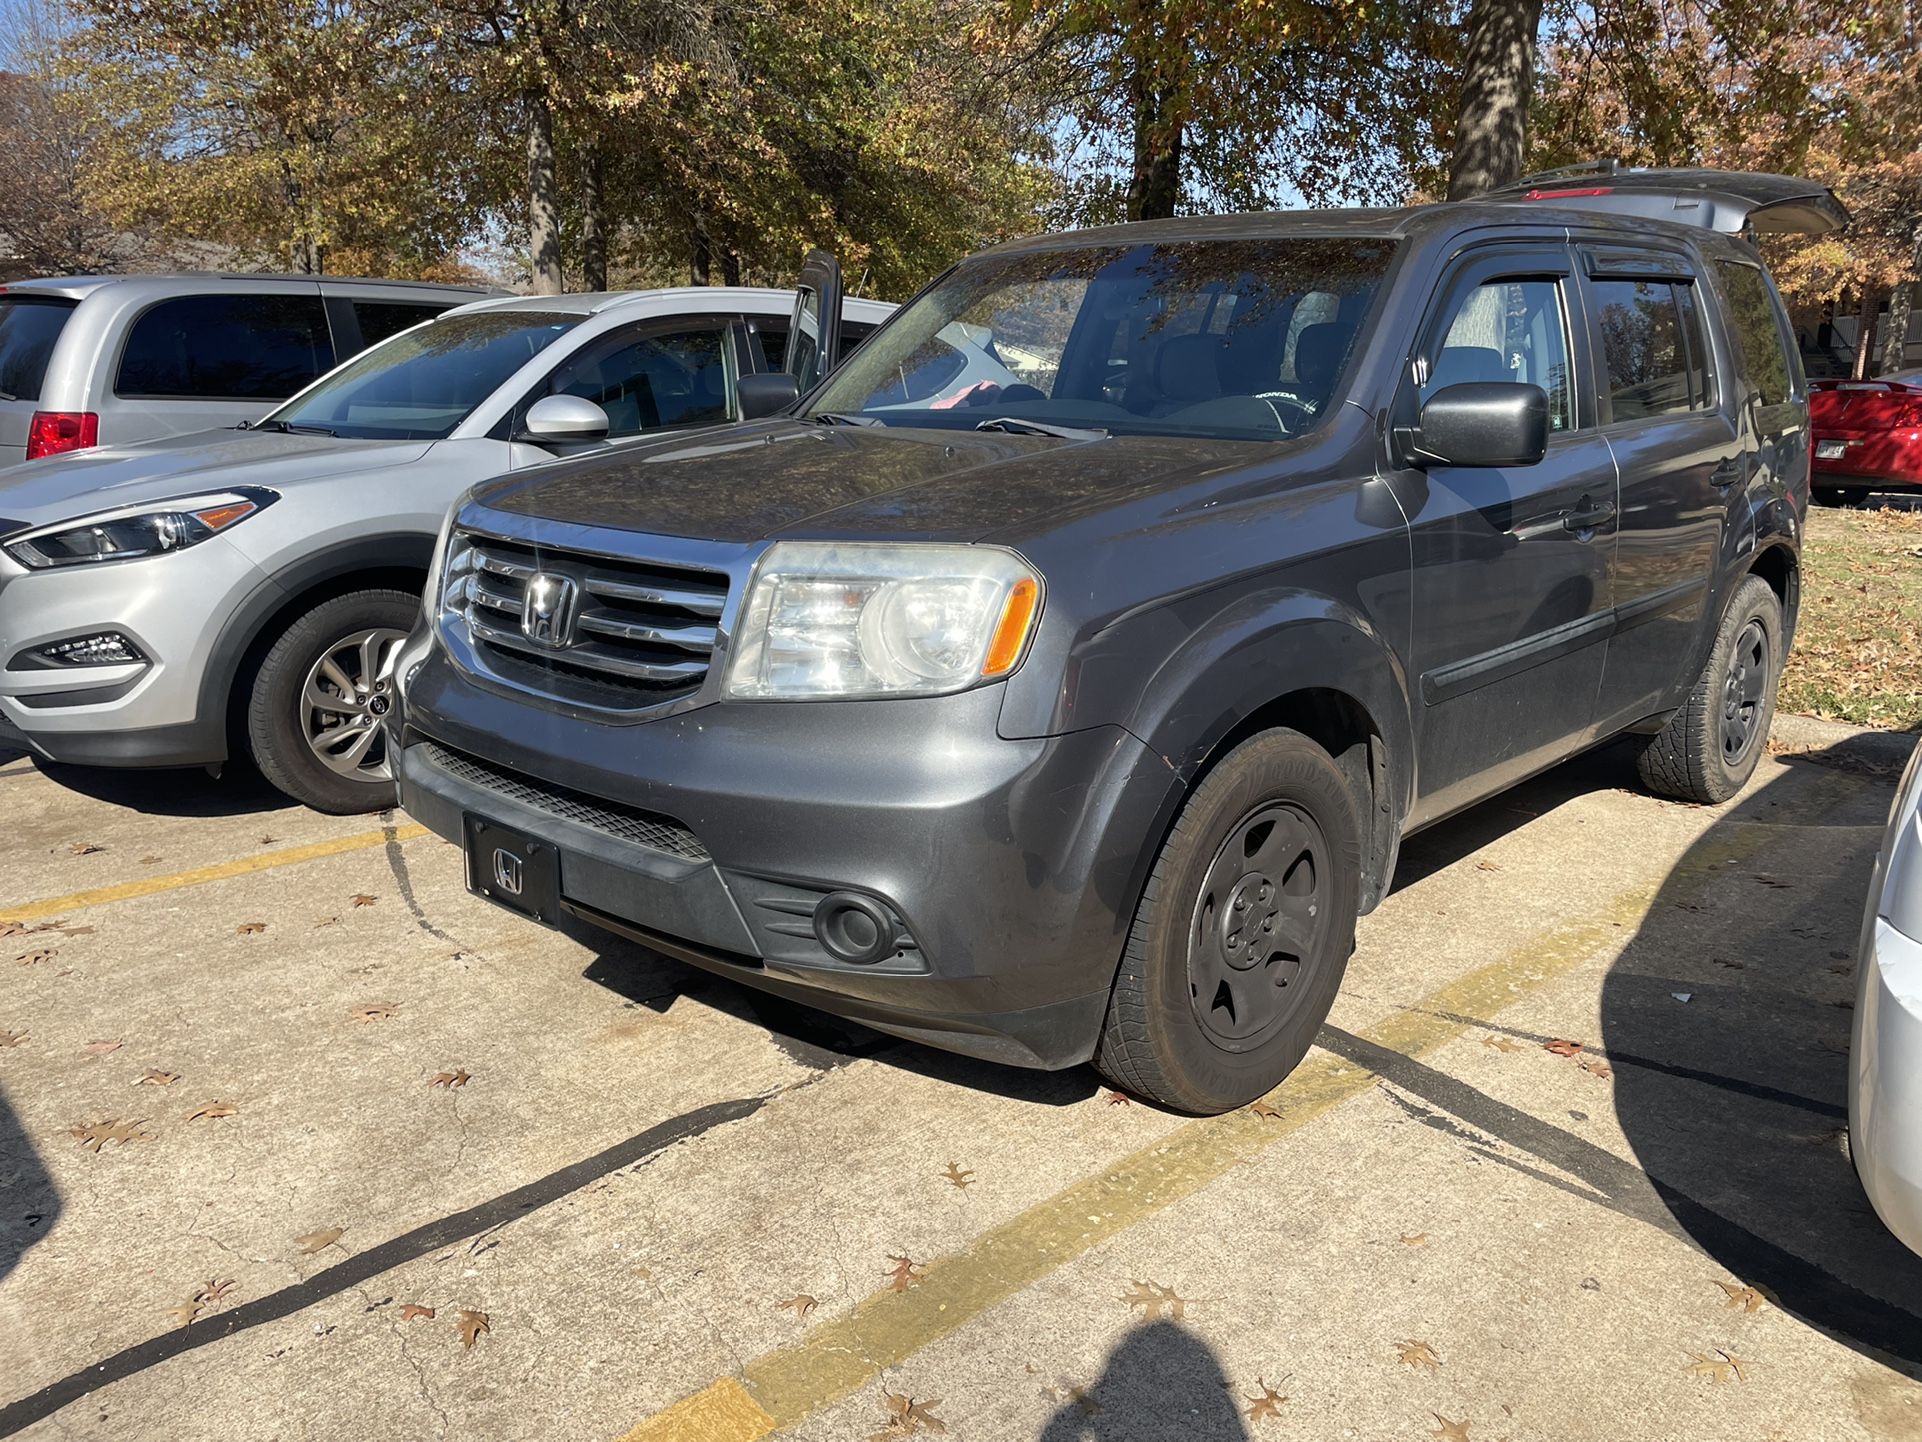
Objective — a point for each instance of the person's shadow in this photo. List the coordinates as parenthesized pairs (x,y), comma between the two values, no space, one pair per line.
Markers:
(1162,1382)
(28,1201)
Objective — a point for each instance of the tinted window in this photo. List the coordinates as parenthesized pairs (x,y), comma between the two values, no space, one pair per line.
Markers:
(29,325)
(1507,330)
(420,385)
(382,318)
(1758,333)
(1651,347)
(674,379)
(771,336)
(227,347)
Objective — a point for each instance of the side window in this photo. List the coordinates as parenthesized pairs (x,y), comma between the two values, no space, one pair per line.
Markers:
(672,378)
(1507,330)
(226,347)
(807,344)
(381,318)
(1653,364)
(1758,332)
(771,335)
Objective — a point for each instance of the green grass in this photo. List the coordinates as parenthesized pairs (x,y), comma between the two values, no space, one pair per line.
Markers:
(1858,647)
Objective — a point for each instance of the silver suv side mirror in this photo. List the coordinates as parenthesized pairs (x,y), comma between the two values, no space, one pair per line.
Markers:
(564,418)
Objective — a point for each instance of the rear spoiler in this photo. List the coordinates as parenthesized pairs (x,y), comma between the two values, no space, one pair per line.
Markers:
(1732,201)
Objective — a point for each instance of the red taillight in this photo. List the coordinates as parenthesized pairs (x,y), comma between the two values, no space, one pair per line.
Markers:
(51,432)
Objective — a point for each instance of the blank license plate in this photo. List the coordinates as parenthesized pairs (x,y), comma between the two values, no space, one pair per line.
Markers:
(513,870)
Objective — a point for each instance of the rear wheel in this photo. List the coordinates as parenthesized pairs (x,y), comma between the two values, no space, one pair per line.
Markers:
(1839,495)
(1243,931)
(316,715)
(1710,747)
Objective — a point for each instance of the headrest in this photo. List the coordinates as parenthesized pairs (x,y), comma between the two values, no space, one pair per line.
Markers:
(1319,352)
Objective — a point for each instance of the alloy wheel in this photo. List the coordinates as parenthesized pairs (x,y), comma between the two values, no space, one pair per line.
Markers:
(345,700)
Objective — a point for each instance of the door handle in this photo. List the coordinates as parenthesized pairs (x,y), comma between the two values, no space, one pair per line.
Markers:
(1588,515)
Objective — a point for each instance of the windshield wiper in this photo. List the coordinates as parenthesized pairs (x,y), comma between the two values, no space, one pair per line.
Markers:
(844,418)
(1015,426)
(290,428)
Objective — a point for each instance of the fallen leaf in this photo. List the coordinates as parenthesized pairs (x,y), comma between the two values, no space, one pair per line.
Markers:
(1488,866)
(1500,1043)
(212,1290)
(66,930)
(319,1241)
(1414,1239)
(1119,1099)
(325,921)
(251,928)
(1562,1047)
(1718,1366)
(268,840)
(101,1048)
(1264,1111)
(14,928)
(158,1078)
(451,1079)
(371,1013)
(1596,1067)
(34,958)
(1746,1299)
(470,1324)
(95,1135)
(365,900)
(214,1109)
(1450,1431)
(907,1418)
(961,1180)
(84,848)
(1418,1355)
(413,1311)
(1155,1300)
(152,860)
(800,1304)
(186,1312)
(1071,1392)
(1268,1404)
(12,1038)
(905,1274)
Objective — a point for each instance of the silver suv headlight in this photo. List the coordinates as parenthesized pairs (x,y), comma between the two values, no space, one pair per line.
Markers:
(149,529)
(850,619)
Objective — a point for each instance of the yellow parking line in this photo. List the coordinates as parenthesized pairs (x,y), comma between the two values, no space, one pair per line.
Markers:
(781,1388)
(219,871)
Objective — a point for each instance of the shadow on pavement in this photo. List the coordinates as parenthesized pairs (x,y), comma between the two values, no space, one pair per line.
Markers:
(238,791)
(1161,1382)
(28,1201)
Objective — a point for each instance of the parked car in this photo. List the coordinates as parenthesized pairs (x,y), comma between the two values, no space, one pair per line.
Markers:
(114,359)
(1078,716)
(1867,436)
(310,532)
(1885,1060)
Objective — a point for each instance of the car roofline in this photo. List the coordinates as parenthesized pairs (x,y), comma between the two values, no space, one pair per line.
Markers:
(73,287)
(690,299)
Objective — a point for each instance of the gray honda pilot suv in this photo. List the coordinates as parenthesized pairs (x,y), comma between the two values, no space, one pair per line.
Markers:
(1058,677)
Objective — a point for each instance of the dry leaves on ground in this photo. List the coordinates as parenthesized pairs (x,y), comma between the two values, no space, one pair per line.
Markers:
(1414,1239)
(1155,1300)
(12,1038)
(1739,1297)
(186,1312)
(800,1304)
(101,1048)
(1418,1355)
(372,1013)
(251,928)
(1718,1366)
(84,848)
(1075,1393)
(363,899)
(1562,1047)
(95,1135)
(1119,1099)
(907,1418)
(452,1079)
(1267,1404)
(957,1177)
(904,1274)
(1446,1431)
(470,1325)
(1264,1111)
(212,1290)
(34,958)
(415,1312)
(213,1109)
(157,1078)
(319,1241)
(1500,1043)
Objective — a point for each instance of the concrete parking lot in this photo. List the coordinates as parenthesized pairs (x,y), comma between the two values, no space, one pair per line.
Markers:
(297,1140)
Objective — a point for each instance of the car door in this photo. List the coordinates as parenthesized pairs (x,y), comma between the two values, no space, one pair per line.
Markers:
(1511,582)
(1669,419)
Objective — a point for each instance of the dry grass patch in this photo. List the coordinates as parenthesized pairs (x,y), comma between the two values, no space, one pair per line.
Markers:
(1858,648)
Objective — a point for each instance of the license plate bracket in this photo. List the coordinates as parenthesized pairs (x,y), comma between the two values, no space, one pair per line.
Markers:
(1830,450)
(512,869)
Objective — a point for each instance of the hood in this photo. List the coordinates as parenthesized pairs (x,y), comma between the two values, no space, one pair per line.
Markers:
(62,487)
(795,479)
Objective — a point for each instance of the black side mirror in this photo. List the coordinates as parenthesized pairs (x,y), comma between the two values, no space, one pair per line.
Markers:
(765,395)
(1483,423)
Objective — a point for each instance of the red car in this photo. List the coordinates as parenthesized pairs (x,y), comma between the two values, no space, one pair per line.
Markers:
(1867,436)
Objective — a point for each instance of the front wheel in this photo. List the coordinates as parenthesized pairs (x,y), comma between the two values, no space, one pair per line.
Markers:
(316,714)
(1243,931)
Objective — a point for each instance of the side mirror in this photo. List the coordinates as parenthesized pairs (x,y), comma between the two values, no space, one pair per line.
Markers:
(765,395)
(563,418)
(1483,423)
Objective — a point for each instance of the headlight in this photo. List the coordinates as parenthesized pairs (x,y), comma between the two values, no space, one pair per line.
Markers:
(830,619)
(436,568)
(135,531)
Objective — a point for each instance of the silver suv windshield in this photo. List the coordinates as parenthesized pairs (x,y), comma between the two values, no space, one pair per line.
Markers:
(1240,339)
(422,383)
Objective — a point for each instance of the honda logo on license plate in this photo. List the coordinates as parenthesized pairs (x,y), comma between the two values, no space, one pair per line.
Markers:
(509,875)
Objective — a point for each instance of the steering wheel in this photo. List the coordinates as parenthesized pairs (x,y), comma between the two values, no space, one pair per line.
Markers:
(1303,412)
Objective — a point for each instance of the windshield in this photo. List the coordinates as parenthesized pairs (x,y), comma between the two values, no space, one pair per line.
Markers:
(1229,338)
(422,383)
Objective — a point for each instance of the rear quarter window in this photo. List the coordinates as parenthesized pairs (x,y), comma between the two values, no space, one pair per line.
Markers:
(1757,329)
(226,347)
(379,319)
(29,326)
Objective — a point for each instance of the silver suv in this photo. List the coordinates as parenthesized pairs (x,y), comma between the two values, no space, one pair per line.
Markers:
(244,591)
(111,359)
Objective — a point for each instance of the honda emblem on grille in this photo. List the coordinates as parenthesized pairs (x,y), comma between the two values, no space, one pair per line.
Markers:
(508,875)
(547,610)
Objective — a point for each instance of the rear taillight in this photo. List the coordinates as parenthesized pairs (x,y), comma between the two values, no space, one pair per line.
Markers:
(50,433)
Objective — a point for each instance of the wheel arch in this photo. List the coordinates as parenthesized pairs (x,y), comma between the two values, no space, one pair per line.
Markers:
(1778,564)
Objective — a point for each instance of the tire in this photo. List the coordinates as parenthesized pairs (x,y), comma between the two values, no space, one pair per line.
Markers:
(334,646)
(1709,748)
(1197,1020)
(1827,495)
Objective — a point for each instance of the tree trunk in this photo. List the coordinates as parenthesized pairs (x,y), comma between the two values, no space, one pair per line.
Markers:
(1154,185)
(1865,335)
(700,267)
(730,267)
(1498,76)
(1895,338)
(543,197)
(593,220)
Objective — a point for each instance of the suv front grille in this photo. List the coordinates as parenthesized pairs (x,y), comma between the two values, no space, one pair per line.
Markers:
(612,818)
(642,632)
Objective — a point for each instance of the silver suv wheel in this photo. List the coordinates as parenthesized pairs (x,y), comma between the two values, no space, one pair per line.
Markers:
(344,700)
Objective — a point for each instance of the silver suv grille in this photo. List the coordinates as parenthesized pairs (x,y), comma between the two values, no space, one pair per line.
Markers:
(640,632)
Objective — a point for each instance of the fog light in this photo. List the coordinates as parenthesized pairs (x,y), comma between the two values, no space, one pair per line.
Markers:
(854,928)
(109,648)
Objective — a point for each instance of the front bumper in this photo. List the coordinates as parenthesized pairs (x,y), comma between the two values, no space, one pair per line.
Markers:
(1012,867)
(1885,1085)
